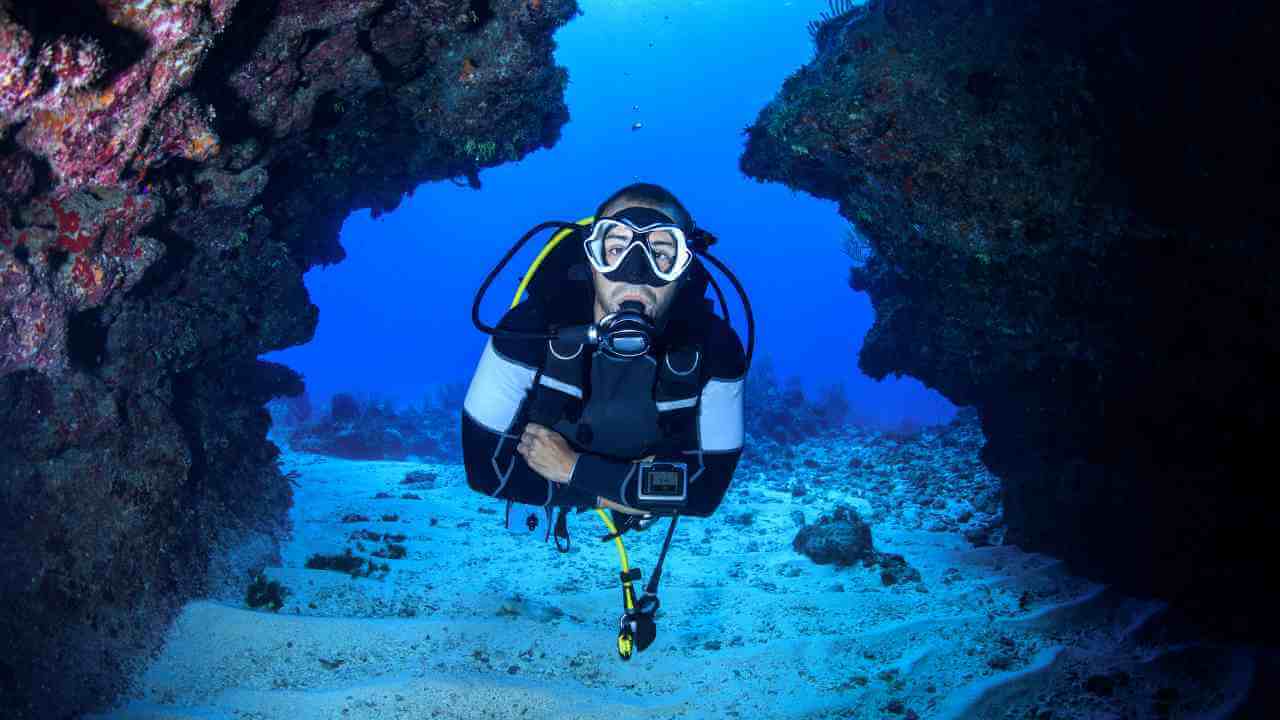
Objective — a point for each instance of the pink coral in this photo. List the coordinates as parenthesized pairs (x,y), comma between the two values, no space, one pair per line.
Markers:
(90,134)
(182,129)
(74,63)
(101,233)
(19,74)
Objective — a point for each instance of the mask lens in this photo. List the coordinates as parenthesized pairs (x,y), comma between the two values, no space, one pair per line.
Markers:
(616,243)
(662,246)
(629,344)
(608,243)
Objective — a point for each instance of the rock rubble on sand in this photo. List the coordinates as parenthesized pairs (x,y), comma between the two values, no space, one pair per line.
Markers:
(927,478)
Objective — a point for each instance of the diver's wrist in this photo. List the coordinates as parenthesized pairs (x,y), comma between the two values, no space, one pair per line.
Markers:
(568,479)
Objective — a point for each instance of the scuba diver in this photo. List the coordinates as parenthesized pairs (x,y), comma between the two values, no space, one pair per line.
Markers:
(614,385)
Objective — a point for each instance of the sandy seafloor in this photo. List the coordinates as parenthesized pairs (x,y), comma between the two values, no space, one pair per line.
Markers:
(480,621)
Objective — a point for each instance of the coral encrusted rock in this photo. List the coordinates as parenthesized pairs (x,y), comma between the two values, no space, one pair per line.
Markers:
(843,539)
(168,172)
(1071,219)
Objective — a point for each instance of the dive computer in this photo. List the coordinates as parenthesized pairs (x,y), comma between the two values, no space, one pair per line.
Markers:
(664,483)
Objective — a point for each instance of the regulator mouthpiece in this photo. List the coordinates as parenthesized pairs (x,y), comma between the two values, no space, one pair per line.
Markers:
(627,333)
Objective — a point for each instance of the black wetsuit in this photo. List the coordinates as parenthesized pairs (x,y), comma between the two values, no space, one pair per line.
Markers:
(620,420)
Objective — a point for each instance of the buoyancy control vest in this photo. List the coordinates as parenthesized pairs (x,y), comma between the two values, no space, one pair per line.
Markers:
(632,407)
(621,408)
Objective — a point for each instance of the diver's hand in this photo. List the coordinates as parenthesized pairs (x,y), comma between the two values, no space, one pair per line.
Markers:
(547,452)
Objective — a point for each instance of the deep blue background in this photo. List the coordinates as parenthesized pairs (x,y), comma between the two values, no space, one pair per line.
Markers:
(395,315)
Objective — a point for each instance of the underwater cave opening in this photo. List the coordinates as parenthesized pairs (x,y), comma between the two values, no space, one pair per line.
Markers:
(407,305)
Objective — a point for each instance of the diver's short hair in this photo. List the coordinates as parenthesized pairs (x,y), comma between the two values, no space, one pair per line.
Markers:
(654,195)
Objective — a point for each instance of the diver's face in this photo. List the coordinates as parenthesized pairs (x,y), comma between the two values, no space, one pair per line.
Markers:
(610,295)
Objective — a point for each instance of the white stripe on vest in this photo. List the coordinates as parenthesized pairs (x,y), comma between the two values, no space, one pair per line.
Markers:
(720,415)
(496,390)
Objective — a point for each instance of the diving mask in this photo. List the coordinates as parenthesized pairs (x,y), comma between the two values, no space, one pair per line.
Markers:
(638,245)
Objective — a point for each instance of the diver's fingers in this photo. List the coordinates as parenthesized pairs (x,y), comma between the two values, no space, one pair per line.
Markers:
(529,446)
(529,436)
(544,433)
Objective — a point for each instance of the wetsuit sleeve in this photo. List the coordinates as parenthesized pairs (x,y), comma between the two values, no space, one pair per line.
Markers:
(720,436)
(494,414)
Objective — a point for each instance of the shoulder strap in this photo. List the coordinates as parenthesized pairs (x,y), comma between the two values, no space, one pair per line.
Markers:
(677,392)
(679,374)
(558,385)
(684,367)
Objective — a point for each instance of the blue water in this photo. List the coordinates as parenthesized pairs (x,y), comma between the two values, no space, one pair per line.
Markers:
(395,315)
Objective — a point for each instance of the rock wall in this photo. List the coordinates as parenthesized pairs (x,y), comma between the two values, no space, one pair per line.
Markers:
(1071,219)
(168,171)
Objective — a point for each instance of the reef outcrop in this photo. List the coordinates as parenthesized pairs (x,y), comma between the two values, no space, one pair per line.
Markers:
(1070,224)
(168,172)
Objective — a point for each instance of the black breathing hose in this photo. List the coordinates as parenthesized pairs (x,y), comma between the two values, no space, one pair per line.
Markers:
(484,286)
(746,304)
(724,306)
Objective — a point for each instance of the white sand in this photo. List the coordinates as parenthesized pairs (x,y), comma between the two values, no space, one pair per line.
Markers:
(478,621)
